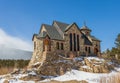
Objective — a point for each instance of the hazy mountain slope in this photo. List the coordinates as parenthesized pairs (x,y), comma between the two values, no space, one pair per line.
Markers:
(12,53)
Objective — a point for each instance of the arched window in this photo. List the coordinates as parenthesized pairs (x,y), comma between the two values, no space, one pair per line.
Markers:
(74,42)
(57,45)
(47,44)
(70,41)
(86,49)
(89,50)
(78,48)
(62,47)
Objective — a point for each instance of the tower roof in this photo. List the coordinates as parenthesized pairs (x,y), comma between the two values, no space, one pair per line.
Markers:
(84,27)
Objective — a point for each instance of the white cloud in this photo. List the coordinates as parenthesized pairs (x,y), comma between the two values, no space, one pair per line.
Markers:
(14,42)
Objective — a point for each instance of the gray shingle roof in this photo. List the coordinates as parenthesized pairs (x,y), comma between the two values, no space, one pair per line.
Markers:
(68,26)
(86,40)
(61,25)
(42,34)
(52,32)
(94,38)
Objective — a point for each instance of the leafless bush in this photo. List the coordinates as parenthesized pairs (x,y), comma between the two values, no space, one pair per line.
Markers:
(111,79)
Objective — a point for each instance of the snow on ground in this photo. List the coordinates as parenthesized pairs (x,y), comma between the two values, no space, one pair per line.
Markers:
(81,75)
(71,75)
(86,67)
(14,78)
(95,58)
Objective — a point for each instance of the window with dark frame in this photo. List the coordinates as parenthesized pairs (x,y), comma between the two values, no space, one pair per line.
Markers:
(62,47)
(89,50)
(86,49)
(74,35)
(78,45)
(57,45)
(70,41)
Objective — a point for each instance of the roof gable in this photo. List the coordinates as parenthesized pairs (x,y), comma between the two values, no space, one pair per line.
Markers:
(68,27)
(51,31)
(61,25)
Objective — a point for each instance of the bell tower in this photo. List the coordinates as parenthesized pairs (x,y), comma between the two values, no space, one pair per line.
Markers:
(85,29)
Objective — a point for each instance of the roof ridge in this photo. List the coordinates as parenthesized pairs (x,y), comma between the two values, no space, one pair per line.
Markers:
(52,32)
(60,22)
(47,24)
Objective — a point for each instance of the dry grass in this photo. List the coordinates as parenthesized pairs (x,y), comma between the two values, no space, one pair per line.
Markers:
(71,81)
(5,70)
(111,79)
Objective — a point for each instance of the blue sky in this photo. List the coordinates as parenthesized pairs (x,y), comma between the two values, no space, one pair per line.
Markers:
(22,18)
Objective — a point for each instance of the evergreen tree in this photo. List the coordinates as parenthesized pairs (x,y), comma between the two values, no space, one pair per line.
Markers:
(117,41)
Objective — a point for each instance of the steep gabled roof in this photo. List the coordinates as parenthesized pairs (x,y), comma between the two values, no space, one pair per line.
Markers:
(61,25)
(68,27)
(52,32)
(42,34)
(86,40)
(94,38)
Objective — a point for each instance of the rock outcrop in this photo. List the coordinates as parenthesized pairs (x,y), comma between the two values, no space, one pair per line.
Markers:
(96,65)
(55,65)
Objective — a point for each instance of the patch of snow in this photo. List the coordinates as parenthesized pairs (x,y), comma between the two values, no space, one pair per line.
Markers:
(48,77)
(96,58)
(2,80)
(37,63)
(77,75)
(78,59)
(17,76)
(64,61)
(83,62)
(81,75)
(15,79)
(32,73)
(86,67)
(20,81)
(109,63)
(117,69)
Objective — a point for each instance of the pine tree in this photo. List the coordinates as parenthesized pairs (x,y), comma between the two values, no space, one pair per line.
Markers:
(117,41)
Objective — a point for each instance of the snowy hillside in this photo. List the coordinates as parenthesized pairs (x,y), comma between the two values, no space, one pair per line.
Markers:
(71,75)
(31,76)
(80,75)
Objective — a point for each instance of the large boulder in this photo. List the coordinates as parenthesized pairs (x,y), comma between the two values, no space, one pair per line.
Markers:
(96,65)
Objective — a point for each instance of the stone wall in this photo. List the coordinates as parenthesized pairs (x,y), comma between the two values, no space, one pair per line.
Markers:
(73,29)
(38,51)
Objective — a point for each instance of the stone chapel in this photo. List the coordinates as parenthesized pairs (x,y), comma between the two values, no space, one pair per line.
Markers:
(65,40)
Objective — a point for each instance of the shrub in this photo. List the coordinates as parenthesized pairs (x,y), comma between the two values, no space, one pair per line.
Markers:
(111,79)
